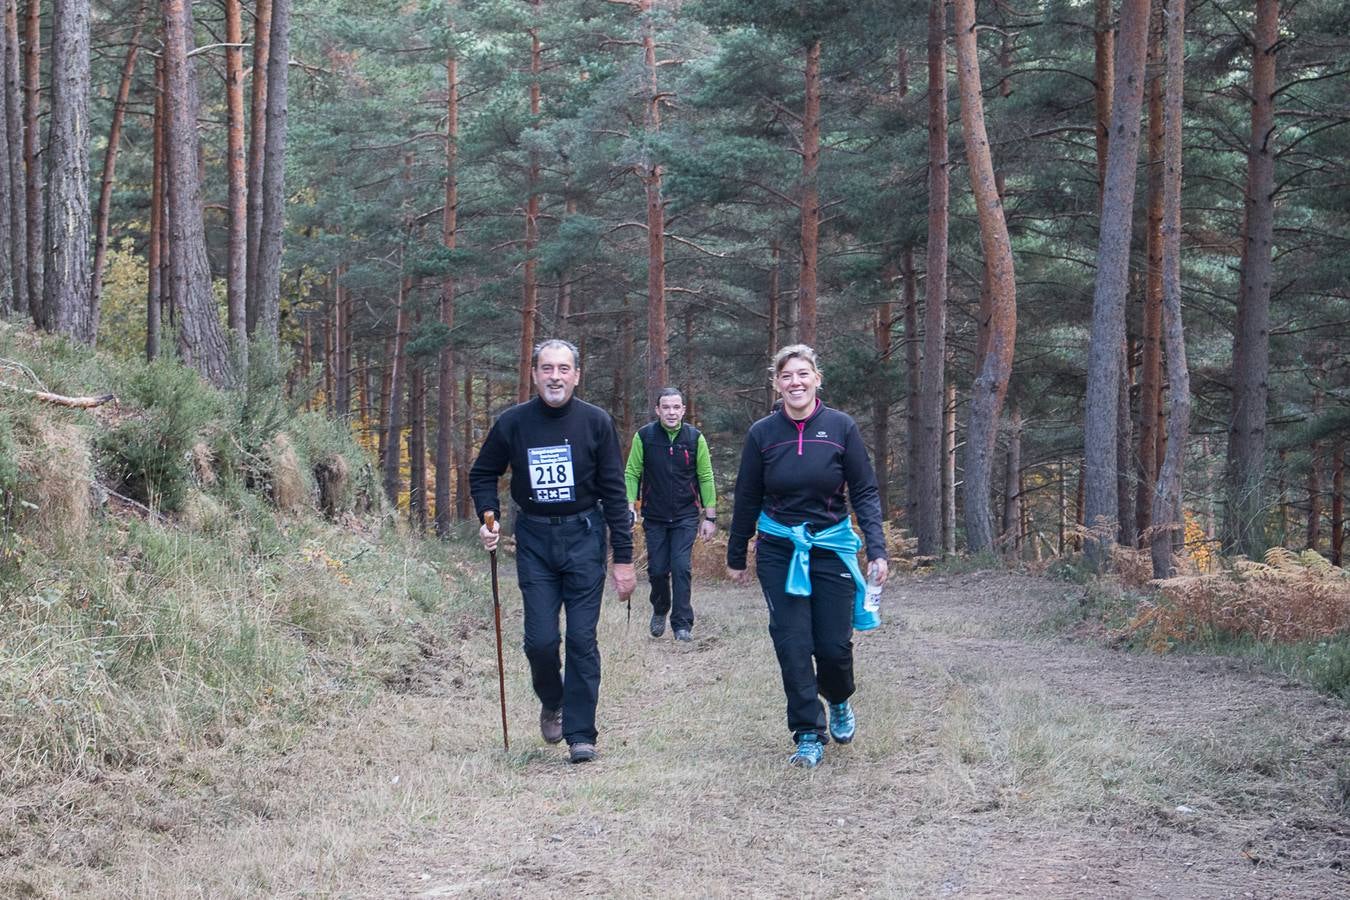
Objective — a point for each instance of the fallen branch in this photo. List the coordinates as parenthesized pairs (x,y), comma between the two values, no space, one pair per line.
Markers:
(61,399)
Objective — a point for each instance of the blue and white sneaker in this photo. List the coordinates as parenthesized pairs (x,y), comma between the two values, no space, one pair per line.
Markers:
(842,722)
(810,751)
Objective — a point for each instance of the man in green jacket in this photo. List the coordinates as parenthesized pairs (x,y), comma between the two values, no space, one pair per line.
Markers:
(670,469)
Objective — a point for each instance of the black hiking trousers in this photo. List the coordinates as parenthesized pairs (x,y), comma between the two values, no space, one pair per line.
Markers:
(670,548)
(812,636)
(562,566)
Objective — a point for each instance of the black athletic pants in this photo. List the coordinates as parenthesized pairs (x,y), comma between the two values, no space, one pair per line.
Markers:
(670,548)
(560,567)
(813,636)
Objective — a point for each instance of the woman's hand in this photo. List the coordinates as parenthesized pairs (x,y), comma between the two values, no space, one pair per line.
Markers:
(877,571)
(740,576)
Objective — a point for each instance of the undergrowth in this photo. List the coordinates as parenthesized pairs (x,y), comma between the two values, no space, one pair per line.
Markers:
(189,565)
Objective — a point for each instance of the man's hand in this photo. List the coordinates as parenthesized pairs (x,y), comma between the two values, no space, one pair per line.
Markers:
(632,513)
(489,536)
(625,581)
(707,528)
(877,570)
(740,576)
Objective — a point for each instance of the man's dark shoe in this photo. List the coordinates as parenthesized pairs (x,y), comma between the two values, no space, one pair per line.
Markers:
(550,724)
(581,752)
(658,625)
(682,634)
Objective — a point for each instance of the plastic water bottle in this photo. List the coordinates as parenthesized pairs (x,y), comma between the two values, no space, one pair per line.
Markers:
(868,615)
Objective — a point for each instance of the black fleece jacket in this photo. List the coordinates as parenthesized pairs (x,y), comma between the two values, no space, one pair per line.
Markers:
(562,460)
(804,472)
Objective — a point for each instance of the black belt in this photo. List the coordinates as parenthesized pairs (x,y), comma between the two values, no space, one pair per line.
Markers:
(554,520)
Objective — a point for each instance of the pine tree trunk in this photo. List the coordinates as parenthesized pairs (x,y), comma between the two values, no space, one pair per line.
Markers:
(466,447)
(949,469)
(65,296)
(810,202)
(991,381)
(393,439)
(17,247)
(1102,508)
(1012,485)
(274,179)
(7,286)
(33,199)
(530,288)
(1314,484)
(775,311)
(110,167)
(1168,527)
(155,255)
(1337,501)
(236,244)
(1125,486)
(445,387)
(1104,83)
(200,338)
(1150,372)
(930,459)
(909,293)
(417,445)
(1244,524)
(658,375)
(257,145)
(881,401)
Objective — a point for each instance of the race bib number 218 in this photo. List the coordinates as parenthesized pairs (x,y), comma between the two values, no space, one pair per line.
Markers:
(551,477)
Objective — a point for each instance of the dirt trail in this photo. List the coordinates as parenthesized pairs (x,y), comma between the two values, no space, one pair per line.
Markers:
(993,760)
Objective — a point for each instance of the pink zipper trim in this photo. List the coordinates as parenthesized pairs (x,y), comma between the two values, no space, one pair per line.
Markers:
(801,430)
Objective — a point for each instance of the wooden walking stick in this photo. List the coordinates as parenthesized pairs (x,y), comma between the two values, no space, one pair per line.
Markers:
(490,519)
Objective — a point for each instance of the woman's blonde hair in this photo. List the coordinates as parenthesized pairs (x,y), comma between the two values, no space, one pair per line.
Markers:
(793,351)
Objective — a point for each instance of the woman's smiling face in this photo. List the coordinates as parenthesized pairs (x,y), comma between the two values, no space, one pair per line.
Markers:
(796,382)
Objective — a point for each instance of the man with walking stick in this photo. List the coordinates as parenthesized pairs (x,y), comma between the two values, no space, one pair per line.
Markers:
(567,485)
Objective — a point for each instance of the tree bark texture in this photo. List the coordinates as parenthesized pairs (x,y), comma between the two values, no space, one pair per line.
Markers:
(155,252)
(393,439)
(65,298)
(658,374)
(445,387)
(949,469)
(1167,512)
(1104,83)
(810,199)
(1011,538)
(1100,431)
(1244,525)
(32,94)
(7,286)
(1150,338)
(529,312)
(417,445)
(262,38)
(1337,502)
(909,295)
(274,179)
(236,243)
(1125,484)
(929,459)
(110,165)
(17,248)
(991,381)
(201,341)
(881,402)
(775,308)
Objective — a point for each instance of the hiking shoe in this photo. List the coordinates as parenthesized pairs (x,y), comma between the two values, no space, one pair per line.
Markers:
(550,724)
(581,752)
(682,634)
(842,722)
(658,625)
(810,751)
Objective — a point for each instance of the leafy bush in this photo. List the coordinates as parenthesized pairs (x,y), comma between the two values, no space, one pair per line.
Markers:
(147,456)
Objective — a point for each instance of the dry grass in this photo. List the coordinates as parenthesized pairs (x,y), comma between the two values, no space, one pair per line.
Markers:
(290,487)
(57,471)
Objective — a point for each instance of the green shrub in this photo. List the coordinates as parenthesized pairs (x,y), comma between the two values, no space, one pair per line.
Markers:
(148,456)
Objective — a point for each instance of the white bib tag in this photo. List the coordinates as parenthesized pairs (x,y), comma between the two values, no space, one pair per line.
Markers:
(551,477)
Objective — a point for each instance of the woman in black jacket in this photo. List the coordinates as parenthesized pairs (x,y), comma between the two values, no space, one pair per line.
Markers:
(803,465)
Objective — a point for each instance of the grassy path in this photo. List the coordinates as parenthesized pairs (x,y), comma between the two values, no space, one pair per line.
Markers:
(993,760)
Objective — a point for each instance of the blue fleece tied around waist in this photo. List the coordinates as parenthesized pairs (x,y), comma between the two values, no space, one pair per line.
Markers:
(839,537)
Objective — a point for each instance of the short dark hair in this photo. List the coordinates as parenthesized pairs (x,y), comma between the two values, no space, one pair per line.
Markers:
(669,392)
(553,344)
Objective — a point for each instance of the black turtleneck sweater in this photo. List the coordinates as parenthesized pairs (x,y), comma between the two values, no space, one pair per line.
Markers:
(562,460)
